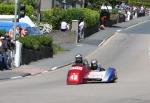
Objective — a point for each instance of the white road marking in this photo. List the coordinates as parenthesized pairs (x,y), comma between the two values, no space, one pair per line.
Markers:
(17,77)
(136,25)
(118,30)
(45,71)
(149,53)
(102,42)
(54,68)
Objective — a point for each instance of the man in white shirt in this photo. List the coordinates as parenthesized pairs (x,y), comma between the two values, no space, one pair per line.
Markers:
(81,29)
(64,26)
(128,15)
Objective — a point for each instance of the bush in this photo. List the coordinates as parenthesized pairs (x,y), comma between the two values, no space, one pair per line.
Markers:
(73,14)
(45,40)
(8,9)
(91,17)
(36,42)
(36,48)
(114,11)
(2,32)
(56,15)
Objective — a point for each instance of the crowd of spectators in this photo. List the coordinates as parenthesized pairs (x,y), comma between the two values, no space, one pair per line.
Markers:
(133,11)
(129,12)
(7,45)
(19,32)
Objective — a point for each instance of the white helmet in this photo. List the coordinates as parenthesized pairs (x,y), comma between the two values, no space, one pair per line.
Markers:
(78,58)
(94,64)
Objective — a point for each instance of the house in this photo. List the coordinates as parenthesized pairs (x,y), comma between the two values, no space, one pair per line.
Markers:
(48,4)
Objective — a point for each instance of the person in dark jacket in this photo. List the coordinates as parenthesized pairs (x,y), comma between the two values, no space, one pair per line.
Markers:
(104,15)
(5,47)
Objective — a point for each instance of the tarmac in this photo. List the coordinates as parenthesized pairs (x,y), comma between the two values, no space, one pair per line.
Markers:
(85,47)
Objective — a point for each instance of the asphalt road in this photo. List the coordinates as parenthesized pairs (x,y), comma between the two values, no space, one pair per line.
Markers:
(85,47)
(127,51)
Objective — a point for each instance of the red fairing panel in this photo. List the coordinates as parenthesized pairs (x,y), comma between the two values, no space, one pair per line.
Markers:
(76,74)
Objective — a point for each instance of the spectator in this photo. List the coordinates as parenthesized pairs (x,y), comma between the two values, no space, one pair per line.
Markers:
(3,44)
(24,32)
(128,15)
(103,17)
(81,29)
(6,47)
(64,26)
(17,32)
(10,42)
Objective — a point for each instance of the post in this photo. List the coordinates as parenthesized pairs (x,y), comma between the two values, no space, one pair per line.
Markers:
(14,33)
(16,8)
(39,11)
(75,29)
(17,57)
(83,2)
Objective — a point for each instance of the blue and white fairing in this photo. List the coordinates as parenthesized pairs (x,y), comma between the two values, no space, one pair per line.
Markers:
(108,75)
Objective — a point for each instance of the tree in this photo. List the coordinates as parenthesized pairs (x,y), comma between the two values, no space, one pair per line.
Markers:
(140,2)
(95,4)
(36,4)
(5,1)
(29,2)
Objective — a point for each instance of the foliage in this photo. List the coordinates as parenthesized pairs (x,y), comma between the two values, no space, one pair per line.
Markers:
(140,2)
(114,11)
(73,14)
(28,2)
(8,9)
(96,4)
(29,11)
(56,15)
(2,32)
(91,17)
(36,42)
(6,1)
(45,40)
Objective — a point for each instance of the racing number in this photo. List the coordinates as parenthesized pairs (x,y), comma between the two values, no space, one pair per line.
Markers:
(74,76)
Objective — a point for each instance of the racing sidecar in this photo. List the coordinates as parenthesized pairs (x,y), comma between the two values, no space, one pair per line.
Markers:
(80,74)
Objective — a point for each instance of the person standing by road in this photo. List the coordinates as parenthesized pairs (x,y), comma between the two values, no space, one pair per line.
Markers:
(81,29)
(103,17)
(24,32)
(17,31)
(5,59)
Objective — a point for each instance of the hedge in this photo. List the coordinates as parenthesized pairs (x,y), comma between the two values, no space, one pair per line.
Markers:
(2,32)
(56,15)
(8,9)
(36,42)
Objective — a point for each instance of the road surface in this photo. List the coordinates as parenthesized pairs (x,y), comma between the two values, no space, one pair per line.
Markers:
(128,51)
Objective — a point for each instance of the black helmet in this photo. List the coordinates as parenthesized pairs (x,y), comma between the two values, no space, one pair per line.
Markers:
(78,58)
(94,64)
